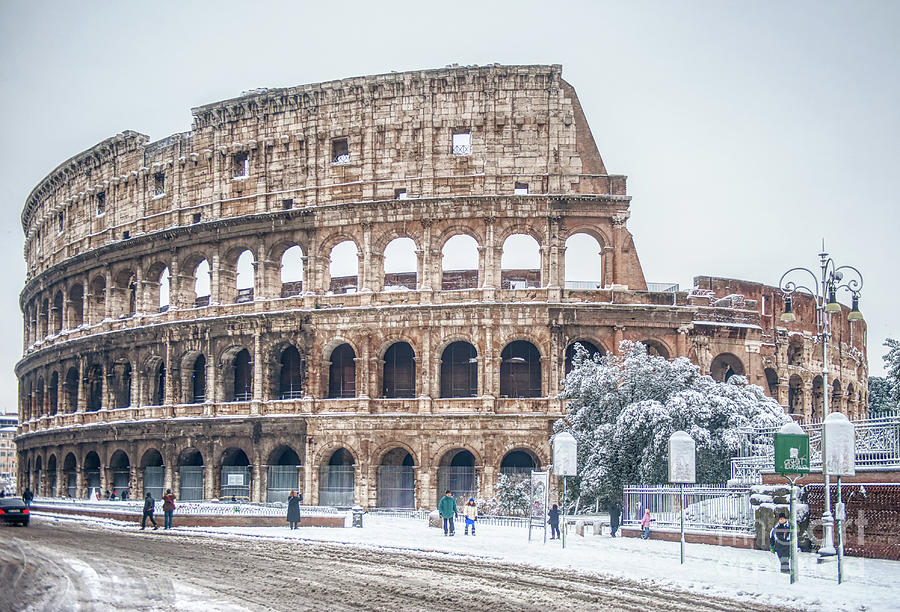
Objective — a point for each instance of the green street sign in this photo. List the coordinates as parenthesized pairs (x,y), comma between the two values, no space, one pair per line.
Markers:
(791,453)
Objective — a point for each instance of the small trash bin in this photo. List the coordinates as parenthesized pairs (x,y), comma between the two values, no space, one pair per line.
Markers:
(357,516)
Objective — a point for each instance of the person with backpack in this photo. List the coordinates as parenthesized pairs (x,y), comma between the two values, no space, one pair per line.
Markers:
(780,542)
(149,503)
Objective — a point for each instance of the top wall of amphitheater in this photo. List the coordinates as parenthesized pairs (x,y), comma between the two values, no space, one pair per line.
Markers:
(249,155)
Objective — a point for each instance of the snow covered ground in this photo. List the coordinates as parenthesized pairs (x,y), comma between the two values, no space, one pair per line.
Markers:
(718,571)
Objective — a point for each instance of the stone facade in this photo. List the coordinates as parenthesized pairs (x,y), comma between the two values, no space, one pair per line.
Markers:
(145,348)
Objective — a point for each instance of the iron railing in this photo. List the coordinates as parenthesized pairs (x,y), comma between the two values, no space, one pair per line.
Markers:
(336,483)
(462,149)
(663,287)
(584,285)
(280,481)
(708,508)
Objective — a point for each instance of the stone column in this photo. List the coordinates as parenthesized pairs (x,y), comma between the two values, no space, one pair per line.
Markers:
(259,394)
(491,266)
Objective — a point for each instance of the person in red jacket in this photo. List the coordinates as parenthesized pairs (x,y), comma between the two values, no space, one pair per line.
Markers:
(168,508)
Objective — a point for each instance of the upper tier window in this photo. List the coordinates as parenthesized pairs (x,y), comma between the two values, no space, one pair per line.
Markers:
(521,189)
(240,164)
(159,184)
(340,151)
(101,204)
(462,143)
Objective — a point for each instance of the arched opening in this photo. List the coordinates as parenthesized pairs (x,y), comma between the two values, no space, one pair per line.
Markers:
(39,398)
(656,348)
(724,366)
(584,263)
(818,399)
(795,396)
(45,318)
(202,284)
(836,404)
(154,473)
(38,476)
(795,352)
(459,263)
(95,388)
(122,384)
(292,271)
(51,477)
(158,384)
(164,287)
(53,393)
(772,382)
(198,380)
(125,294)
(242,374)
(76,306)
(400,265)
(344,268)
(520,263)
(590,347)
(459,370)
(399,378)
(92,473)
(520,370)
(235,483)
(190,475)
(245,273)
(290,375)
(97,300)
(58,312)
(342,372)
(70,473)
(283,474)
(456,472)
(120,471)
(852,406)
(518,463)
(71,390)
(336,480)
(396,478)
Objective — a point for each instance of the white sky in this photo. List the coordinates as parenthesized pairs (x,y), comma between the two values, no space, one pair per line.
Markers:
(749,132)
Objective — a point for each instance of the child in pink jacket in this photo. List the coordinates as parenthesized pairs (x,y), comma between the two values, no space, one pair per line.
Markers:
(645,525)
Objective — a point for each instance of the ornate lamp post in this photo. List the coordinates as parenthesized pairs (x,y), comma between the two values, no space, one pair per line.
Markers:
(824,292)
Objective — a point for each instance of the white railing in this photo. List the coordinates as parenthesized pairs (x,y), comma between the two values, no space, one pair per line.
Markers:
(706,507)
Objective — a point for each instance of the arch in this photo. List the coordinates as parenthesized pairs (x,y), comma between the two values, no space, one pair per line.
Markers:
(190,475)
(292,271)
(520,262)
(97,299)
(818,399)
(125,293)
(151,458)
(245,276)
(459,370)
(119,460)
(76,306)
(194,368)
(590,347)
(157,382)
(235,474)
(71,389)
(520,370)
(724,366)
(342,372)
(239,378)
(53,393)
(57,312)
(518,461)
(771,381)
(459,263)
(234,455)
(164,280)
(290,374)
(95,387)
(343,268)
(795,351)
(202,283)
(39,397)
(91,471)
(400,265)
(70,475)
(120,473)
(283,474)
(656,348)
(796,400)
(584,261)
(284,454)
(122,384)
(836,397)
(396,480)
(337,479)
(399,375)
(52,484)
(456,473)
(190,457)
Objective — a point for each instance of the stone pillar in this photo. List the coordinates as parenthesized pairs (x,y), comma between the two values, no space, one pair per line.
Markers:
(618,336)
(490,266)
(210,479)
(257,491)
(259,389)
(215,291)
(364,267)
(363,390)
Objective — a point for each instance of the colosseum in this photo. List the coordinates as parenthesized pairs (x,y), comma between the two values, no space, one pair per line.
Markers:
(315,287)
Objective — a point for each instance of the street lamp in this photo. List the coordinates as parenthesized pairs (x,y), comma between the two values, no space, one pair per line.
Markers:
(824,292)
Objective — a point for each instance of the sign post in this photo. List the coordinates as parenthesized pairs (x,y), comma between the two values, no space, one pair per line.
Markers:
(565,463)
(682,468)
(792,457)
(840,460)
(540,482)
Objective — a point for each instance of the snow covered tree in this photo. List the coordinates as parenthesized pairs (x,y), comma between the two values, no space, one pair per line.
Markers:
(623,408)
(512,494)
(884,392)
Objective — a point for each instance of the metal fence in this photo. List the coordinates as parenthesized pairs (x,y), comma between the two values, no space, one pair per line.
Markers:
(154,478)
(235,482)
(71,484)
(502,521)
(336,485)
(191,477)
(280,481)
(121,482)
(710,508)
(396,486)
(460,480)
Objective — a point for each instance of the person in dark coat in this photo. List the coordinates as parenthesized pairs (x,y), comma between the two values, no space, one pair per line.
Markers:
(554,522)
(168,508)
(293,509)
(27,496)
(780,543)
(615,514)
(149,504)
(447,510)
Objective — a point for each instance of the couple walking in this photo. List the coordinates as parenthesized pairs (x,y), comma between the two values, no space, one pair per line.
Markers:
(448,511)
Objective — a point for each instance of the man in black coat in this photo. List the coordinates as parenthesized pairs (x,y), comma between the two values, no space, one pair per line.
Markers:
(615,514)
(27,496)
(780,543)
(149,503)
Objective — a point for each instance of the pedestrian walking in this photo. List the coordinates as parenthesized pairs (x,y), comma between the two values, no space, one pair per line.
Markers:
(645,524)
(554,522)
(447,510)
(293,509)
(149,503)
(470,511)
(168,508)
(27,496)
(780,543)
(615,515)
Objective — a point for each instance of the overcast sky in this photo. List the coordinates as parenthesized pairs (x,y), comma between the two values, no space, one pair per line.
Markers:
(749,131)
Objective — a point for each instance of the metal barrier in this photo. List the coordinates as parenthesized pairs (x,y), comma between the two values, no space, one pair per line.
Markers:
(710,508)
(154,479)
(460,480)
(336,485)
(396,486)
(280,481)
(191,477)
(502,521)
(235,482)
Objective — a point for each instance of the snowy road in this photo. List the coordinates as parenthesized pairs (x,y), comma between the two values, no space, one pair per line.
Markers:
(69,565)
